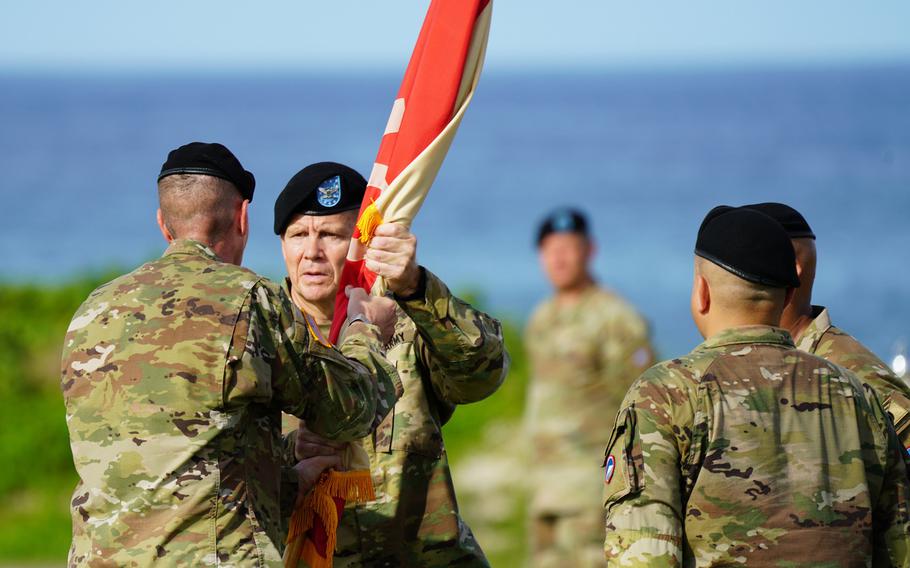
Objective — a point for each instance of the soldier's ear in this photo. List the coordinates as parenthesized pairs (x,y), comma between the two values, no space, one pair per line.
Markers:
(162,226)
(702,294)
(244,221)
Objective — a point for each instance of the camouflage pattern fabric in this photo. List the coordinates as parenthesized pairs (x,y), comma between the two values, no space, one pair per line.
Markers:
(174,378)
(584,357)
(827,341)
(750,452)
(446,353)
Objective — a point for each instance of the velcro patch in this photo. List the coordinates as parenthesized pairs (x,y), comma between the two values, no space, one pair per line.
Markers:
(620,471)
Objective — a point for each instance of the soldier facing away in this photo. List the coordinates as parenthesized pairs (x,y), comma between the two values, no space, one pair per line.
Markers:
(446,353)
(586,346)
(748,451)
(175,376)
(813,331)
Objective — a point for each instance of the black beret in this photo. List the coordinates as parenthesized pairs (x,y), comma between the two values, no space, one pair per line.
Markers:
(563,221)
(201,158)
(325,188)
(789,218)
(749,244)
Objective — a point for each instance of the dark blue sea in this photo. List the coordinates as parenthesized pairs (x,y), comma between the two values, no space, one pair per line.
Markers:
(646,153)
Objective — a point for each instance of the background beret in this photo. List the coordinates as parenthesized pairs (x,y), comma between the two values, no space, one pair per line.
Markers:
(563,221)
(749,244)
(324,188)
(790,219)
(201,158)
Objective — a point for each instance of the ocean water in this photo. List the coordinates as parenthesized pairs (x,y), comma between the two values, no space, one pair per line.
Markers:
(646,153)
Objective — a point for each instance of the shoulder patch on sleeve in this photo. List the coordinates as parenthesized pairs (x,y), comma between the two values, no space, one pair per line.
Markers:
(621,460)
(641,357)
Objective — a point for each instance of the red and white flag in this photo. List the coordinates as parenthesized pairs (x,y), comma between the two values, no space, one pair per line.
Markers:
(437,88)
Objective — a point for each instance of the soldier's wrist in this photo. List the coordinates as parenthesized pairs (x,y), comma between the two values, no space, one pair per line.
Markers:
(361,318)
(419,291)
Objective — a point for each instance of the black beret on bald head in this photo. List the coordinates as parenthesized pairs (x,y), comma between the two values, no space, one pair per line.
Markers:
(201,158)
(789,218)
(749,244)
(324,188)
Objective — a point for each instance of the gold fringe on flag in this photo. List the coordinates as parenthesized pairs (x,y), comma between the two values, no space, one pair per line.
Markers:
(368,222)
(352,486)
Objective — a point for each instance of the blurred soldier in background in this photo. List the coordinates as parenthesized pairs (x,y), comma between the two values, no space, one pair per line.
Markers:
(446,353)
(586,346)
(748,451)
(175,376)
(813,331)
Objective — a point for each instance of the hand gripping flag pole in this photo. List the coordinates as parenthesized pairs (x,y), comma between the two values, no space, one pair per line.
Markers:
(437,88)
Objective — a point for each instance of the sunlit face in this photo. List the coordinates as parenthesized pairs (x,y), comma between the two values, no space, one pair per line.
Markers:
(564,258)
(314,249)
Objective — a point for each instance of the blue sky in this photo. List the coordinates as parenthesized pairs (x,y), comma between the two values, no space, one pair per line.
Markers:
(219,34)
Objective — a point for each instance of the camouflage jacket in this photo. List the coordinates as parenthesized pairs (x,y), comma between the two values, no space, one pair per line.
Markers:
(174,378)
(750,452)
(584,357)
(823,339)
(446,353)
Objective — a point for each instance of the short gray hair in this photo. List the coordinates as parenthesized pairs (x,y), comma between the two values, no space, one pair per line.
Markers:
(198,204)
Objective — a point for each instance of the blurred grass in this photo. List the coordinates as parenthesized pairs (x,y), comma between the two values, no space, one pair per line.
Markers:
(465,438)
(37,476)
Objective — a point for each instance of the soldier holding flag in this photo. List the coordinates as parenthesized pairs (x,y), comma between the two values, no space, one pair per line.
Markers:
(446,352)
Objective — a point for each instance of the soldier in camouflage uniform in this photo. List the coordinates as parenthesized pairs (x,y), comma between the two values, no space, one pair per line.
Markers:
(446,353)
(748,451)
(586,346)
(175,376)
(813,332)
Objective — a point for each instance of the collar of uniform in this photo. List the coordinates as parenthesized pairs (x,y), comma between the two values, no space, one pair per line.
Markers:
(748,334)
(189,246)
(323,328)
(821,323)
(579,303)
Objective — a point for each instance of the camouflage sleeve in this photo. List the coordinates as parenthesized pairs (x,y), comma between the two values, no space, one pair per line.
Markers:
(290,485)
(336,395)
(891,520)
(361,343)
(288,441)
(626,353)
(462,347)
(642,477)
(897,407)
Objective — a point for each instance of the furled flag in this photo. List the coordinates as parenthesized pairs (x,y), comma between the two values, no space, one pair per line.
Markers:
(436,90)
(438,86)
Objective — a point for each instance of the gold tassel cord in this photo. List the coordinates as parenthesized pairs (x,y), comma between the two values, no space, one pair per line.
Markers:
(356,486)
(369,220)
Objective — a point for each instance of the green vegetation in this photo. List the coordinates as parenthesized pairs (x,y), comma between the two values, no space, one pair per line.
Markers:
(37,476)
(477,430)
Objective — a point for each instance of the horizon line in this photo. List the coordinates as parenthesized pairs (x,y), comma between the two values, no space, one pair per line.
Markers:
(251,68)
